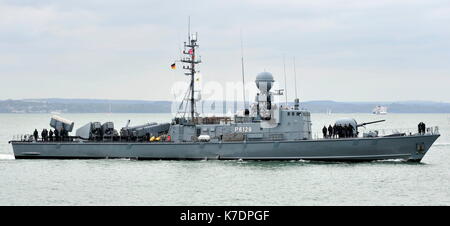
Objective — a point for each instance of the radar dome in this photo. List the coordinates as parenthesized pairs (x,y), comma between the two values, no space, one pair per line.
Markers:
(264,77)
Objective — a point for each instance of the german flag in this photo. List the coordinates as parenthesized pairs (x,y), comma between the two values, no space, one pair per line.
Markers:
(173,66)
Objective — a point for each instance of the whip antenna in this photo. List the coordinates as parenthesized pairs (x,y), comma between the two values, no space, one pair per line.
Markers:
(296,101)
(189,29)
(285,82)
(295,80)
(243,76)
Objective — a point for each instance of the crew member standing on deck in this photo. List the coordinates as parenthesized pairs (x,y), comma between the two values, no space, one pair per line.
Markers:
(421,128)
(338,131)
(330,131)
(346,133)
(62,133)
(50,135)
(324,131)
(56,135)
(43,134)
(350,128)
(36,134)
(334,131)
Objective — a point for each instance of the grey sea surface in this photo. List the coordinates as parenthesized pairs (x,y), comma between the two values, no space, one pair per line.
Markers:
(130,182)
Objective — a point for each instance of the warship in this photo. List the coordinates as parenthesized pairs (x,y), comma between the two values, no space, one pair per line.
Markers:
(266,130)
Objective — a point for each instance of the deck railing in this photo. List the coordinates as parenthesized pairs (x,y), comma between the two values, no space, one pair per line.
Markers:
(433,130)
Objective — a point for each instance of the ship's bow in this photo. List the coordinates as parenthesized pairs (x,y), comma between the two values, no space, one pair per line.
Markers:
(423,144)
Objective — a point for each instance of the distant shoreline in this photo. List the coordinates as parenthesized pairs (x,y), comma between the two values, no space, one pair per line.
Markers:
(64,106)
(48,113)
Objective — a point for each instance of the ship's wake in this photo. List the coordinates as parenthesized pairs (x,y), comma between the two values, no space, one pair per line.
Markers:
(441,144)
(6,156)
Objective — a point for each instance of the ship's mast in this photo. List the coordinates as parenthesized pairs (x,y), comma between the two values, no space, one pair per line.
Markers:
(190,62)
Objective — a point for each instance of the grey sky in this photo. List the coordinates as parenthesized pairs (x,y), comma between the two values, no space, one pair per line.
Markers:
(349,50)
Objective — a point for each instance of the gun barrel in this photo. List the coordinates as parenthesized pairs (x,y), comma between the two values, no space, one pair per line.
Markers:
(367,123)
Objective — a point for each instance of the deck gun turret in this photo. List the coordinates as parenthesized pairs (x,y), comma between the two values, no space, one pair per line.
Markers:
(367,123)
(370,133)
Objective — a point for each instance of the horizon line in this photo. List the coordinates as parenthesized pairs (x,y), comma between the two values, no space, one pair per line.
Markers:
(140,100)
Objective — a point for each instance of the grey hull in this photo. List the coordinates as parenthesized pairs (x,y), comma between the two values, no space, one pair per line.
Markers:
(411,148)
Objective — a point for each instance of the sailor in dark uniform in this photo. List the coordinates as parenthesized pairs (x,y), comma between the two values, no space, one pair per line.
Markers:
(50,135)
(63,133)
(421,128)
(56,135)
(330,131)
(350,128)
(346,131)
(36,134)
(43,134)
(338,131)
(335,131)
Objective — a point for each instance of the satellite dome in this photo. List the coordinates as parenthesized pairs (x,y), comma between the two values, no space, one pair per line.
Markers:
(264,77)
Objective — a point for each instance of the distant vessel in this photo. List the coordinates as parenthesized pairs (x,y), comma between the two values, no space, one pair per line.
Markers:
(265,131)
(380,110)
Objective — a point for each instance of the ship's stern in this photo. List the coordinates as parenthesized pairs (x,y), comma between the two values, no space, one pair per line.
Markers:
(26,150)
